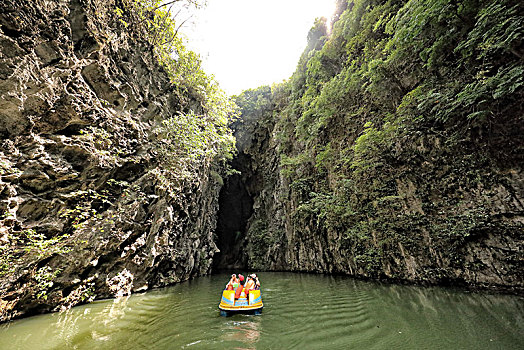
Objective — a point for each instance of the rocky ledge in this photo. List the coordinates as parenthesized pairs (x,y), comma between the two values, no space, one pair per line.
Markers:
(86,209)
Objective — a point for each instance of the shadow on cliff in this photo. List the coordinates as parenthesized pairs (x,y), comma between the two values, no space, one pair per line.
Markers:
(235,209)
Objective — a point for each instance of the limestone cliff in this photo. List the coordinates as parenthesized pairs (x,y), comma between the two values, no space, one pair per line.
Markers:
(87,205)
(392,153)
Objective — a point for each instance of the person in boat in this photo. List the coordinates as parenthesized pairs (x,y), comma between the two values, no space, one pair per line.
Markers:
(240,288)
(233,283)
(252,283)
(257,282)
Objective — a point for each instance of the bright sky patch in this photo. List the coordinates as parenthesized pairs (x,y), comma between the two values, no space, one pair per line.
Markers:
(248,43)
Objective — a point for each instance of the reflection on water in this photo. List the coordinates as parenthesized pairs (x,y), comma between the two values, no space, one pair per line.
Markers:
(246,332)
(301,312)
(71,323)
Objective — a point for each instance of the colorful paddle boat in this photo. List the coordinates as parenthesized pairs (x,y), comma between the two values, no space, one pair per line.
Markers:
(251,304)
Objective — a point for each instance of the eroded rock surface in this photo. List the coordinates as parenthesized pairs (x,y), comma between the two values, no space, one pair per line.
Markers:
(451,221)
(80,99)
(356,165)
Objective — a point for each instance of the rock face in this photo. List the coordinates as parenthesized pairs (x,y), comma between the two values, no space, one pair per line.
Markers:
(349,172)
(429,245)
(84,211)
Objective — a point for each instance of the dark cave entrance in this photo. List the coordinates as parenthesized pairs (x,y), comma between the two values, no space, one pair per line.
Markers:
(235,208)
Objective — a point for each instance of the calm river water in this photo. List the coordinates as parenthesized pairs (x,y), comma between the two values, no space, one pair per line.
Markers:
(301,311)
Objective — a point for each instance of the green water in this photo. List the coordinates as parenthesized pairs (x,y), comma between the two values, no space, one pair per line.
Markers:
(301,312)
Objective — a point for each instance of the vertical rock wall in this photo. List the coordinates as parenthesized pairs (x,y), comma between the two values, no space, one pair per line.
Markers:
(82,213)
(354,169)
(456,220)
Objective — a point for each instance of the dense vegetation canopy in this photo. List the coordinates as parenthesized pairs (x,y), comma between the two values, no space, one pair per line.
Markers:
(394,119)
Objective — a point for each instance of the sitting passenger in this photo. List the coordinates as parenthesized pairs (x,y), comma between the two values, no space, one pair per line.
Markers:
(240,288)
(251,283)
(233,283)
(257,282)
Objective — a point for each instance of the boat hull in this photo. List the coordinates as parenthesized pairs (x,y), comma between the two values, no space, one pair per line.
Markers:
(250,304)
(227,313)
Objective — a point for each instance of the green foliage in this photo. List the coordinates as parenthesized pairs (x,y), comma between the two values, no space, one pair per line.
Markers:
(7,259)
(498,31)
(292,166)
(44,278)
(41,245)
(84,293)
(478,97)
(198,133)
(156,16)
(83,209)
(373,149)
(188,141)
(461,226)
(388,119)
(184,68)
(190,137)
(255,101)
(102,145)
(29,243)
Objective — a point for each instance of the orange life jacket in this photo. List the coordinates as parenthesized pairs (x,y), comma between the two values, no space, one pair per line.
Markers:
(238,291)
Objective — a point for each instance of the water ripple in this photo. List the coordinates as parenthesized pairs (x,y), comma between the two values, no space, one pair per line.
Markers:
(301,312)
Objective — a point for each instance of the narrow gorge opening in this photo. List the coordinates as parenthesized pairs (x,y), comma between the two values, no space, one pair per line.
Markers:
(235,208)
